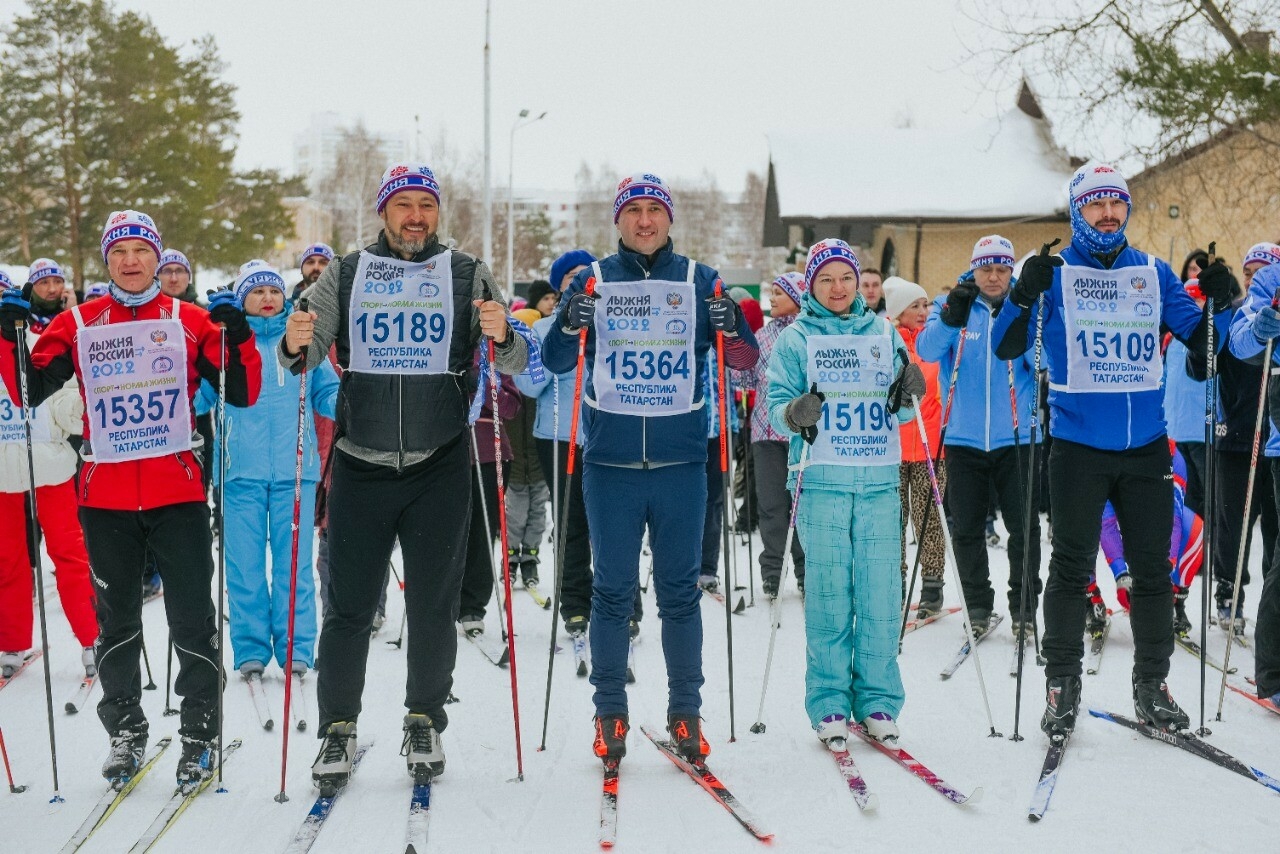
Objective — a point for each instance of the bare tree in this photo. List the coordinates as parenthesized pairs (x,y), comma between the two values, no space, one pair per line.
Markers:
(351,186)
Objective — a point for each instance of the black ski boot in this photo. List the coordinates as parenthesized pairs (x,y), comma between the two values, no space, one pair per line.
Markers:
(769,587)
(421,748)
(1095,621)
(1181,622)
(611,737)
(1153,705)
(686,737)
(195,765)
(1062,705)
(980,618)
(332,768)
(930,598)
(529,567)
(127,748)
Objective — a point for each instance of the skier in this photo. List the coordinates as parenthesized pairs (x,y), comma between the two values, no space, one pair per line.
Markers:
(1256,323)
(527,492)
(175,277)
(906,307)
(849,512)
(650,322)
(769,447)
(313,261)
(261,463)
(1108,429)
(984,457)
(140,485)
(60,416)
(402,462)
(713,515)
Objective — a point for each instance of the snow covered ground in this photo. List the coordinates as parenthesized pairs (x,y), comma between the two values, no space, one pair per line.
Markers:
(1117,791)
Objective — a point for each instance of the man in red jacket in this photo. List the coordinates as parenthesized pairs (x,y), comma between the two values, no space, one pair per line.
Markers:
(139,357)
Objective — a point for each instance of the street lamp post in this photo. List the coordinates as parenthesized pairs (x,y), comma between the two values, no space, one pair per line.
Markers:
(486,249)
(522,120)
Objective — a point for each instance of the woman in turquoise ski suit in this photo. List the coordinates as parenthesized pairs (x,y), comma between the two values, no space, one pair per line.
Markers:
(258,500)
(849,515)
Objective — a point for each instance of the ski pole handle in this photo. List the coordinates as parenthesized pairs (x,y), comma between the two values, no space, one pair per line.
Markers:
(577,387)
(1045,248)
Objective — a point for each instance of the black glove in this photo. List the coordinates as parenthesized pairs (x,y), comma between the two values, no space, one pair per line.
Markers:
(908,386)
(724,314)
(581,313)
(15,308)
(803,412)
(1217,284)
(224,310)
(1036,278)
(955,312)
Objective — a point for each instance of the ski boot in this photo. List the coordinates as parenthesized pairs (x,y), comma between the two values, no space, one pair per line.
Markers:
(1124,589)
(152,586)
(332,768)
(611,737)
(379,620)
(1181,622)
(686,737)
(529,567)
(881,727)
(1153,705)
(250,669)
(1023,632)
(980,618)
(11,662)
(1062,705)
(195,765)
(1225,621)
(833,731)
(127,748)
(709,583)
(993,538)
(472,625)
(930,598)
(90,662)
(575,626)
(421,748)
(769,587)
(1095,621)
(633,628)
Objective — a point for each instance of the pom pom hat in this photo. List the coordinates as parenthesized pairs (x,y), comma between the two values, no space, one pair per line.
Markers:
(1094,181)
(1267,253)
(406,176)
(823,253)
(44,268)
(792,284)
(256,274)
(643,185)
(130,224)
(992,249)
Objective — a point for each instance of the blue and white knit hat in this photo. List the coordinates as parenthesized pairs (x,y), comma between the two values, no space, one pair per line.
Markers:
(407,176)
(1097,181)
(173,256)
(126,224)
(1267,253)
(5,281)
(643,185)
(792,284)
(95,290)
(44,268)
(321,249)
(823,253)
(992,249)
(256,274)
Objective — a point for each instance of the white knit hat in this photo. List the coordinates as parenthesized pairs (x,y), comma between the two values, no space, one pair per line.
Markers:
(898,294)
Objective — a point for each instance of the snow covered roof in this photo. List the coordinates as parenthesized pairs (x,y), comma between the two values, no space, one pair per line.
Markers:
(1005,168)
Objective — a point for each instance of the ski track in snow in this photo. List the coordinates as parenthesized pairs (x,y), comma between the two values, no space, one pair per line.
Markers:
(1118,788)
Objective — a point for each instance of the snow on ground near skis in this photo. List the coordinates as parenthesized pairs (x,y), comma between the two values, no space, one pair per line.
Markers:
(1115,785)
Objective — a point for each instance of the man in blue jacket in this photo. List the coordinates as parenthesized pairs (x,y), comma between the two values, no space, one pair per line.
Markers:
(982,451)
(650,321)
(1102,306)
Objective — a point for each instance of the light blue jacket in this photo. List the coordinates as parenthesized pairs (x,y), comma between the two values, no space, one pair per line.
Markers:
(1183,396)
(545,393)
(1245,345)
(264,437)
(711,380)
(981,416)
(788,379)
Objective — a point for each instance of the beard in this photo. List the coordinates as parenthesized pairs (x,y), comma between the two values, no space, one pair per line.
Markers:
(407,246)
(312,277)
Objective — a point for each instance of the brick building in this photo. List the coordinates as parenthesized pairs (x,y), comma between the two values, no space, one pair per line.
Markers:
(913,201)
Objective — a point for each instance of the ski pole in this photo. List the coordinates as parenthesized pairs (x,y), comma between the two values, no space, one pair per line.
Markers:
(1210,511)
(33,533)
(146,660)
(295,531)
(502,532)
(724,488)
(222,529)
(924,526)
(775,607)
(169,711)
(1248,504)
(8,772)
(564,505)
(950,553)
(488,530)
(748,487)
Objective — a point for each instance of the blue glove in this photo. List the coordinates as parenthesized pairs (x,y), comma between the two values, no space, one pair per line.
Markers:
(724,314)
(581,313)
(14,309)
(224,309)
(1266,324)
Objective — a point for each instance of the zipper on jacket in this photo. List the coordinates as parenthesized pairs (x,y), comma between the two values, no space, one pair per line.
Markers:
(184,465)
(988,383)
(90,468)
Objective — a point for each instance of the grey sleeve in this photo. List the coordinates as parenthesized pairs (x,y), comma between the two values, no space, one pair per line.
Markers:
(512,356)
(323,300)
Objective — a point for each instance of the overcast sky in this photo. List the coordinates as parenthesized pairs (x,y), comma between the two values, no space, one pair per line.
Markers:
(672,86)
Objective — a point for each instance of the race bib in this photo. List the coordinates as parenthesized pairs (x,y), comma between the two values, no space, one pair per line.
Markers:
(1112,322)
(401,315)
(644,360)
(12,429)
(134,376)
(856,427)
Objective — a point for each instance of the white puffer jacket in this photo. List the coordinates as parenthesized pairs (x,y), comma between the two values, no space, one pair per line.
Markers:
(60,416)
